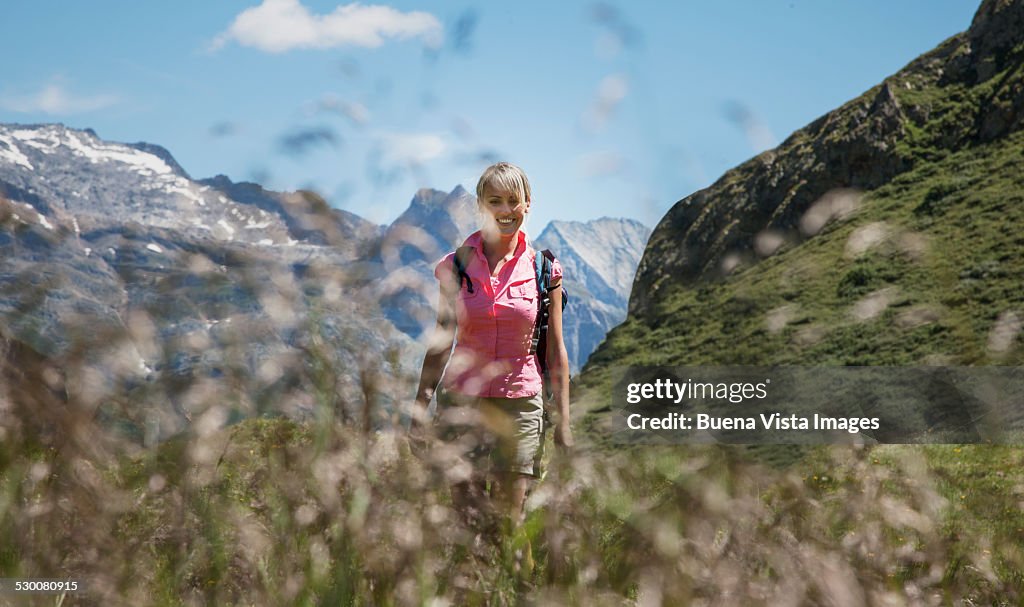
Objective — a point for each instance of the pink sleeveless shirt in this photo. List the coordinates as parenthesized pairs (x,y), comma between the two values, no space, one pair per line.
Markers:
(494,324)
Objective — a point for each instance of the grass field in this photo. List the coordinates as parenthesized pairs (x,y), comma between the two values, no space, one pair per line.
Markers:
(269,512)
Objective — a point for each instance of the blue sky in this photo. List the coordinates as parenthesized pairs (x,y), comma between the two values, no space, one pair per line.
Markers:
(613,110)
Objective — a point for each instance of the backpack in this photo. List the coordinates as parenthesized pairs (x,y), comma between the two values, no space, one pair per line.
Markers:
(542,269)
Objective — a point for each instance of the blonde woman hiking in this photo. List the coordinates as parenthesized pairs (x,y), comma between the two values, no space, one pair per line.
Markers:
(491,404)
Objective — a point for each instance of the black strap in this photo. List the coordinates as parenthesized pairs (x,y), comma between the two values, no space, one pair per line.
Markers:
(540,328)
(461,260)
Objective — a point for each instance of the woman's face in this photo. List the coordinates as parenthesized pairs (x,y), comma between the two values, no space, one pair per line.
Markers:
(504,213)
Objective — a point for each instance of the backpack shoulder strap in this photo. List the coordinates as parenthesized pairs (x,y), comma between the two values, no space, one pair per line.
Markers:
(460,262)
(539,268)
(549,260)
(542,268)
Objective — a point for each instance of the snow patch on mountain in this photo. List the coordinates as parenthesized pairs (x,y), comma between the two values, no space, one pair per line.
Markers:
(9,151)
(96,152)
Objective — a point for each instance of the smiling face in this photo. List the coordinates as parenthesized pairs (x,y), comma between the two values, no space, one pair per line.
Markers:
(503,193)
(504,210)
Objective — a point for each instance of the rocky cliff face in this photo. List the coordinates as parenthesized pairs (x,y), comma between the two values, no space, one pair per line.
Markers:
(968,90)
(308,217)
(994,37)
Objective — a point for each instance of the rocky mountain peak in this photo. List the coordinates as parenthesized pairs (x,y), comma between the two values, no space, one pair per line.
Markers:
(158,151)
(606,271)
(997,28)
(430,204)
(434,223)
(427,197)
(599,259)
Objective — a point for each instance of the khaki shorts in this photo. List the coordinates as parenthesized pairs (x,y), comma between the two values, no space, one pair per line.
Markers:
(496,434)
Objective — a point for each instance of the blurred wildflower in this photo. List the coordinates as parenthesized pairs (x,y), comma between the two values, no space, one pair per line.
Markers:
(835,204)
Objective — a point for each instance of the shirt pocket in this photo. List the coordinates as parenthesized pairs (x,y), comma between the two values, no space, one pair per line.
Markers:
(523,292)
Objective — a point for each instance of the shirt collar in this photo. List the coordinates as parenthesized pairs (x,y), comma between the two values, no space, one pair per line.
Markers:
(476,240)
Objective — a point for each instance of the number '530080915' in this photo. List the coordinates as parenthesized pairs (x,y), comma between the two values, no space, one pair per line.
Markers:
(39,586)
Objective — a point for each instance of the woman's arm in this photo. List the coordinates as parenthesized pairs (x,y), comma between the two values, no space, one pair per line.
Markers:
(558,367)
(439,350)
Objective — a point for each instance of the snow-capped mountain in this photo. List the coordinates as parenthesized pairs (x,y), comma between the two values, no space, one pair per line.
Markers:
(80,175)
(599,259)
(601,255)
(112,256)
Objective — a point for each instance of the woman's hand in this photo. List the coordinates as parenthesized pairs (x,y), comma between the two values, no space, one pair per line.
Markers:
(439,351)
(563,434)
(418,436)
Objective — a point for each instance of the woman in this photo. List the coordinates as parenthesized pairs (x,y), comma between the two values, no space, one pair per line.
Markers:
(491,404)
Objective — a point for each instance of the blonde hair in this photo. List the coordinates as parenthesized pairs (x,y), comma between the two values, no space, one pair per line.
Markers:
(506,176)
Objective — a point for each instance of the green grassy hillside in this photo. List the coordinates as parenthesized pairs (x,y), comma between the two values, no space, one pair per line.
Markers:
(941,246)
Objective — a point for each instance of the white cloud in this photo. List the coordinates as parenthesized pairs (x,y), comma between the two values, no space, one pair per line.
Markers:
(610,93)
(356,112)
(411,148)
(757,132)
(53,99)
(282,25)
(601,164)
